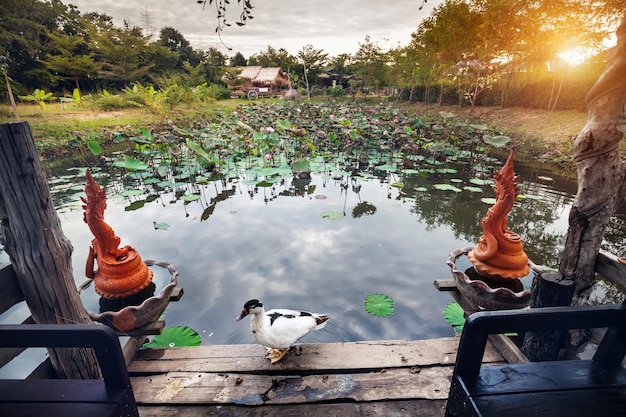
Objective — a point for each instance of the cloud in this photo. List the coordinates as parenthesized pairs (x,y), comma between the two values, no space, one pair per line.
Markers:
(333,26)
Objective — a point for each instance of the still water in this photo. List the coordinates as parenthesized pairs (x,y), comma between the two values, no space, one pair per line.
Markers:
(239,242)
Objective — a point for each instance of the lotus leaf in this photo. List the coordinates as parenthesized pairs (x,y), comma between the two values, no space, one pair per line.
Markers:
(379,305)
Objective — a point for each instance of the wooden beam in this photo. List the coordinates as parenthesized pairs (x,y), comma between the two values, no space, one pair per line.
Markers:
(38,249)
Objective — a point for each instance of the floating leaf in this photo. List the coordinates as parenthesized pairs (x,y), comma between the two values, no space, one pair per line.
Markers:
(409,171)
(544,178)
(130,193)
(473,189)
(331,215)
(160,226)
(397,184)
(321,197)
(175,336)
(488,200)
(479,181)
(447,187)
(420,189)
(455,316)
(379,305)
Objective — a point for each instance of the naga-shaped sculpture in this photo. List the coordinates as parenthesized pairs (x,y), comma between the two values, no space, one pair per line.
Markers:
(500,253)
(121,272)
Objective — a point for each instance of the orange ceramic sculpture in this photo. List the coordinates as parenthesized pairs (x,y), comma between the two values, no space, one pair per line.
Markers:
(121,272)
(499,253)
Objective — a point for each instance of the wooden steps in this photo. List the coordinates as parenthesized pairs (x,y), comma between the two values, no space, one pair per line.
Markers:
(373,378)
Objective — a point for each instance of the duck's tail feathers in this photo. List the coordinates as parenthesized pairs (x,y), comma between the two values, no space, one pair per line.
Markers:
(321,320)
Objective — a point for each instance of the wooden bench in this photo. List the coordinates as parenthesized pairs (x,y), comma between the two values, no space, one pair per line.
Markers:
(112,396)
(595,387)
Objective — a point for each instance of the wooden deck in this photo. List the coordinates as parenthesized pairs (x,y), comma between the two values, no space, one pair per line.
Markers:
(379,378)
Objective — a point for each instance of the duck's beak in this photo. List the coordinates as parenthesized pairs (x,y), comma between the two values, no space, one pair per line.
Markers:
(243,314)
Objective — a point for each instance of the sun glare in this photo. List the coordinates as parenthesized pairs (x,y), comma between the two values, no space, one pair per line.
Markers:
(575,56)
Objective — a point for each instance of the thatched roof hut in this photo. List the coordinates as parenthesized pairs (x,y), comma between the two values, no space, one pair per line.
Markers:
(257,81)
(264,77)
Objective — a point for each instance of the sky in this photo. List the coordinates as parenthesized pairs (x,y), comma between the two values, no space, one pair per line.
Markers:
(334,26)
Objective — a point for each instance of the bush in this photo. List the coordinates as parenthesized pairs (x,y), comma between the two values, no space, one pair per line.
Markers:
(336,91)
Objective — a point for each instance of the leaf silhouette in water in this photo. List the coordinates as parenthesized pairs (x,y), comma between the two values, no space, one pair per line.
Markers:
(455,316)
(363,209)
(175,336)
(135,205)
(379,305)
(160,226)
(207,212)
(331,215)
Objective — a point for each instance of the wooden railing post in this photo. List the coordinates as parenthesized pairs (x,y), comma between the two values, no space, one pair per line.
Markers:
(39,251)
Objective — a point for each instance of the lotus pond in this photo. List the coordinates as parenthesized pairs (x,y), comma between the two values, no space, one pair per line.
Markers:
(313,207)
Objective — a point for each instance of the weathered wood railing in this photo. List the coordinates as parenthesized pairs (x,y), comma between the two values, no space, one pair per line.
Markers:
(11,295)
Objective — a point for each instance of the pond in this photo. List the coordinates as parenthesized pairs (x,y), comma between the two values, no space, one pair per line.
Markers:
(322,241)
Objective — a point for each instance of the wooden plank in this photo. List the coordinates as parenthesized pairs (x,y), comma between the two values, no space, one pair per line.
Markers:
(422,408)
(609,267)
(432,383)
(582,403)
(309,357)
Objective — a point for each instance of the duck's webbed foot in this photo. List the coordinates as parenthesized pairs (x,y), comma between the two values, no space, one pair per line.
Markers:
(274,355)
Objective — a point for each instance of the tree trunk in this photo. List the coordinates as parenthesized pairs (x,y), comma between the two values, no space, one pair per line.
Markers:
(601,172)
(38,249)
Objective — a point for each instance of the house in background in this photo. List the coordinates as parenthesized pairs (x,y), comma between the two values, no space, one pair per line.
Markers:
(257,81)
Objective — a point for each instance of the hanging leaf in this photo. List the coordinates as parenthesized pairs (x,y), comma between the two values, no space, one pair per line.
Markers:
(175,336)
(94,147)
(331,215)
(130,163)
(455,316)
(496,141)
(379,305)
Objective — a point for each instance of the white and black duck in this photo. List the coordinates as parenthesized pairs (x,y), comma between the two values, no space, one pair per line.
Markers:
(279,329)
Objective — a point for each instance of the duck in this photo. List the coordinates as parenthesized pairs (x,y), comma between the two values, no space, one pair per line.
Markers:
(279,329)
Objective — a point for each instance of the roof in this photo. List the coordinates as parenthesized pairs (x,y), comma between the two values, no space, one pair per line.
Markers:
(264,76)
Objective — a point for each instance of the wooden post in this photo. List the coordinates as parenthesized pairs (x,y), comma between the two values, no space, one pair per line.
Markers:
(601,172)
(38,249)
(550,289)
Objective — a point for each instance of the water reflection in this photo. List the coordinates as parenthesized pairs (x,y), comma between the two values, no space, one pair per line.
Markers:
(238,240)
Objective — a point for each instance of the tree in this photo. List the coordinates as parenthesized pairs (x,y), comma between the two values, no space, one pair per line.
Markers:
(238,60)
(369,65)
(68,60)
(122,54)
(312,62)
(176,42)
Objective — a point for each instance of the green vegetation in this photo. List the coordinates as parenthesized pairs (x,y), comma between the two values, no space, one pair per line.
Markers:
(469,53)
